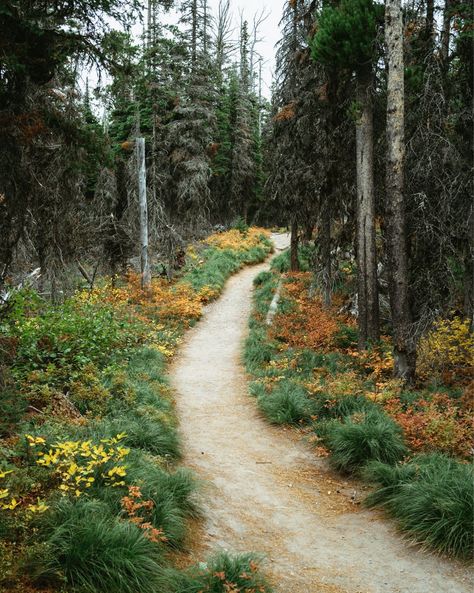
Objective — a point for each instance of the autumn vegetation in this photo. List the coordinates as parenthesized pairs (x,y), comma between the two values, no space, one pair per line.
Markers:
(91,496)
(413,444)
(138,153)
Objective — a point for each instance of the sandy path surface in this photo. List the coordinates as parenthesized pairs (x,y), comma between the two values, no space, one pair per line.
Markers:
(267,491)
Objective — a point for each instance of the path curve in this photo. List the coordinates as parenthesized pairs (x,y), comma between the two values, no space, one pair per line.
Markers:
(268,492)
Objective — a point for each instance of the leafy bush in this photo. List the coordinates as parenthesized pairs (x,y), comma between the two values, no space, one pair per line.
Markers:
(12,405)
(347,336)
(434,422)
(431,497)
(95,551)
(240,225)
(287,404)
(364,437)
(447,347)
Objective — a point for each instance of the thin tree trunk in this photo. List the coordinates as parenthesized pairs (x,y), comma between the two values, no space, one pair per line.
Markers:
(325,241)
(430,18)
(366,249)
(194,33)
(403,347)
(294,263)
(144,261)
(469,275)
(446,32)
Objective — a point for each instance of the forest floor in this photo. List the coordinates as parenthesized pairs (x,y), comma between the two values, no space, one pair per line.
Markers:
(266,491)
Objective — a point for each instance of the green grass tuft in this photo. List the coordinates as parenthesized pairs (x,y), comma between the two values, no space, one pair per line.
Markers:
(431,497)
(287,404)
(370,436)
(96,551)
(222,573)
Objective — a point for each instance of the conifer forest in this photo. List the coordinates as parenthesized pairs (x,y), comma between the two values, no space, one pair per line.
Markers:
(236,296)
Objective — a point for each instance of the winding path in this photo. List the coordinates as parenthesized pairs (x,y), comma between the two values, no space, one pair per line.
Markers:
(268,493)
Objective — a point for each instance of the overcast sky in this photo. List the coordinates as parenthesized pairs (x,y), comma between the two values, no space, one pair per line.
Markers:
(269,33)
(269,30)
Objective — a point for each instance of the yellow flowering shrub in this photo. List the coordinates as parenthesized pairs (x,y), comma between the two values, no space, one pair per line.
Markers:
(236,240)
(78,464)
(7,501)
(448,346)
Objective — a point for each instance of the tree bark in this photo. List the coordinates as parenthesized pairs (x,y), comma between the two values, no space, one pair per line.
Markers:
(366,248)
(403,346)
(430,22)
(446,32)
(325,242)
(142,201)
(294,263)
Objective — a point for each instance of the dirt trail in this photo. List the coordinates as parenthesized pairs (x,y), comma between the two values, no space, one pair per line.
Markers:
(268,492)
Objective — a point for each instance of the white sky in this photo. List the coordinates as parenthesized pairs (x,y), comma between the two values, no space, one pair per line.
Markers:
(269,33)
(269,30)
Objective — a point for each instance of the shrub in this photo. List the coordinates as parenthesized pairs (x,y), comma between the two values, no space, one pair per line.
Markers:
(364,437)
(95,551)
(448,347)
(347,336)
(12,405)
(287,404)
(263,278)
(435,424)
(432,499)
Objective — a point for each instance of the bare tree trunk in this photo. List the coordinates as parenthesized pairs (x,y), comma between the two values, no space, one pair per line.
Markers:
(404,352)
(294,263)
(194,33)
(446,32)
(469,275)
(325,241)
(142,201)
(366,248)
(430,17)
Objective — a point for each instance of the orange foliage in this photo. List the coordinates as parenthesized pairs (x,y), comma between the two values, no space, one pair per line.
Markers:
(436,424)
(162,300)
(134,507)
(236,240)
(286,113)
(308,324)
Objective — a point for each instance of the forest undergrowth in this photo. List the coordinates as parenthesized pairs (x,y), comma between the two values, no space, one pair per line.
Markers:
(92,496)
(412,446)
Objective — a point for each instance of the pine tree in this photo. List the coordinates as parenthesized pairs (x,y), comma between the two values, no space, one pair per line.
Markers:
(346,38)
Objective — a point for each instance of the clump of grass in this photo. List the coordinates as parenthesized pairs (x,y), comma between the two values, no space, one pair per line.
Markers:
(287,404)
(95,551)
(431,498)
(364,437)
(222,573)
(281,263)
(141,432)
(172,495)
(258,350)
(327,407)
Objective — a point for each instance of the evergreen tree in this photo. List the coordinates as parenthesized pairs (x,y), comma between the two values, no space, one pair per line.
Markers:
(346,38)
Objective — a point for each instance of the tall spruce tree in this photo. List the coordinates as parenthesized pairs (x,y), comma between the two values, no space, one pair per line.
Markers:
(346,38)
